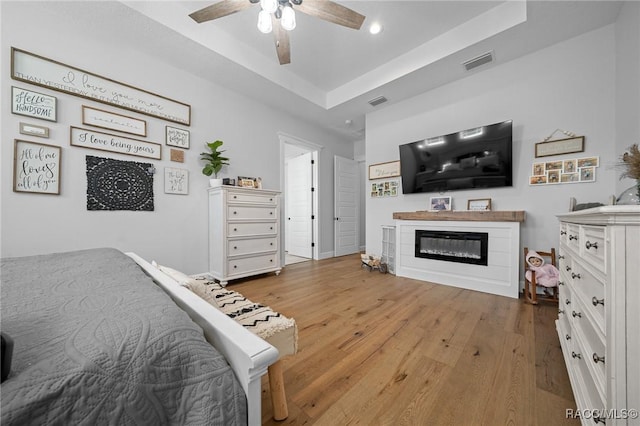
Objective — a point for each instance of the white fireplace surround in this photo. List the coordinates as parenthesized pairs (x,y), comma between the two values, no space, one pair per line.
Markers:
(499,277)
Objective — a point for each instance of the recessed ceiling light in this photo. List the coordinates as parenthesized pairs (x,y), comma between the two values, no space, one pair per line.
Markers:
(375,28)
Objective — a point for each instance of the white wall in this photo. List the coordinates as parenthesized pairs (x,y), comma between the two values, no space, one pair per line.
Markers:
(627,81)
(570,86)
(359,151)
(176,232)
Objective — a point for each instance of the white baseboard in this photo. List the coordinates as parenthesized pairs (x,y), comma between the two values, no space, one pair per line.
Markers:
(326,255)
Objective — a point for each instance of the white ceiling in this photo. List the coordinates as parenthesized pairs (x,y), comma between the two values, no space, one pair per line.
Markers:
(334,70)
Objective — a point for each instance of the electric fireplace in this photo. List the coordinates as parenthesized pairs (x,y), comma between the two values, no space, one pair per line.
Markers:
(453,246)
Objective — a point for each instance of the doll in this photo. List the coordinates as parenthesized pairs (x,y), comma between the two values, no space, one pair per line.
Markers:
(546,275)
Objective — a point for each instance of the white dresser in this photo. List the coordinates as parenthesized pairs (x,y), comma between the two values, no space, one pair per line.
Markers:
(244,232)
(599,312)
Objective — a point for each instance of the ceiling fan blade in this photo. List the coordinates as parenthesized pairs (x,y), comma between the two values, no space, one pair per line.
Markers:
(332,12)
(282,42)
(220,9)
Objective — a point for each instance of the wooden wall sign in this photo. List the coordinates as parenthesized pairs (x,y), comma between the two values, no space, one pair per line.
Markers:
(41,71)
(114,143)
(36,167)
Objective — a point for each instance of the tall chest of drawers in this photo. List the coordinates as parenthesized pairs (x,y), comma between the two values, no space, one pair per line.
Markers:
(244,232)
(599,311)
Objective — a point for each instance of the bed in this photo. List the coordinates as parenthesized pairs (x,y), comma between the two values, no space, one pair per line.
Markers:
(103,337)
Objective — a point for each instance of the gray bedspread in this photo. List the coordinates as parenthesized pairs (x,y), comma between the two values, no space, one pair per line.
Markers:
(97,343)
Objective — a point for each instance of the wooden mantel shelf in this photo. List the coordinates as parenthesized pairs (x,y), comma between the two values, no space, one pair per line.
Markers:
(477,216)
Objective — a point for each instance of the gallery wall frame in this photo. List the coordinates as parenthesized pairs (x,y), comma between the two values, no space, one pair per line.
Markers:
(176,181)
(384,170)
(36,167)
(33,104)
(34,130)
(41,71)
(179,138)
(113,121)
(559,147)
(91,139)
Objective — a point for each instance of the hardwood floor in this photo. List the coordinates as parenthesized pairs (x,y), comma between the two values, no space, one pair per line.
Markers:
(378,349)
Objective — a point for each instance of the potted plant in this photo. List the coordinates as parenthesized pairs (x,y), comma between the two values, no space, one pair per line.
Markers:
(215,161)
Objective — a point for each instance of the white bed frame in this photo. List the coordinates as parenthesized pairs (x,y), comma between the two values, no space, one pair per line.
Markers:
(248,355)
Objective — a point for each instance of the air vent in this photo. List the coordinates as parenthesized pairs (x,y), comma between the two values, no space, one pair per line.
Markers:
(377,101)
(478,61)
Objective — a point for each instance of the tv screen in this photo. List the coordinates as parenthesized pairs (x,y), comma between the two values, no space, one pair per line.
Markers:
(473,158)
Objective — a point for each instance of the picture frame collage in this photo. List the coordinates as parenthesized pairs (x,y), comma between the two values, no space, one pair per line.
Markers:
(573,170)
(387,188)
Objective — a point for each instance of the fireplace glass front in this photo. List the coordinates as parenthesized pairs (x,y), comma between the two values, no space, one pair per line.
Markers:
(453,246)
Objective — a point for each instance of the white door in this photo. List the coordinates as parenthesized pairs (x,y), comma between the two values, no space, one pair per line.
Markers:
(299,206)
(346,225)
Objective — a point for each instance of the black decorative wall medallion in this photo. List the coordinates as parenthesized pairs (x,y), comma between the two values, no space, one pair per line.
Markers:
(119,185)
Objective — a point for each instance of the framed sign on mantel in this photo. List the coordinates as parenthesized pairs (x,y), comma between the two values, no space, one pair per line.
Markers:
(44,72)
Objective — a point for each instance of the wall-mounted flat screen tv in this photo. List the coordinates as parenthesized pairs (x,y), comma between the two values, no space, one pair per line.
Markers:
(472,158)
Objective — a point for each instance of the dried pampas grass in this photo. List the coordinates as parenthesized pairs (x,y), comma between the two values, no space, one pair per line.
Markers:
(630,163)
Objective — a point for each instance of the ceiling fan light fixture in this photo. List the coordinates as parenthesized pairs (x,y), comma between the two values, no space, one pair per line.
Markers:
(375,28)
(269,6)
(264,22)
(288,20)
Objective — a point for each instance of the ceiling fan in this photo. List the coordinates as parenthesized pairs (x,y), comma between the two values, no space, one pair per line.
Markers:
(278,15)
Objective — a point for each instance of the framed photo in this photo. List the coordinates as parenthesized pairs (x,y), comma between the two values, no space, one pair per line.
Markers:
(587,174)
(110,120)
(384,170)
(33,130)
(177,137)
(569,177)
(176,181)
(33,104)
(440,203)
(589,162)
(553,176)
(553,165)
(569,166)
(36,167)
(479,204)
(560,146)
(538,169)
(538,180)
(247,182)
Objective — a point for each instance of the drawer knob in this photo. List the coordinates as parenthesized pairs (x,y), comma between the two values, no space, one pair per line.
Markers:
(568,268)
(235,212)
(598,419)
(567,337)
(270,212)
(270,260)
(589,244)
(597,358)
(270,244)
(560,257)
(597,301)
(573,237)
(235,266)
(235,229)
(560,282)
(575,355)
(567,302)
(574,276)
(576,314)
(270,199)
(560,311)
(271,227)
(235,247)
(563,232)
(235,197)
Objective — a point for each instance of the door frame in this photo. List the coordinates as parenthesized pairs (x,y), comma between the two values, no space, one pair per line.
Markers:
(315,149)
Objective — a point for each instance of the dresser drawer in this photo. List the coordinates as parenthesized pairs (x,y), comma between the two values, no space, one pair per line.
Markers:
(253,245)
(251,212)
(251,264)
(594,249)
(591,343)
(591,292)
(243,197)
(586,393)
(572,237)
(247,229)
